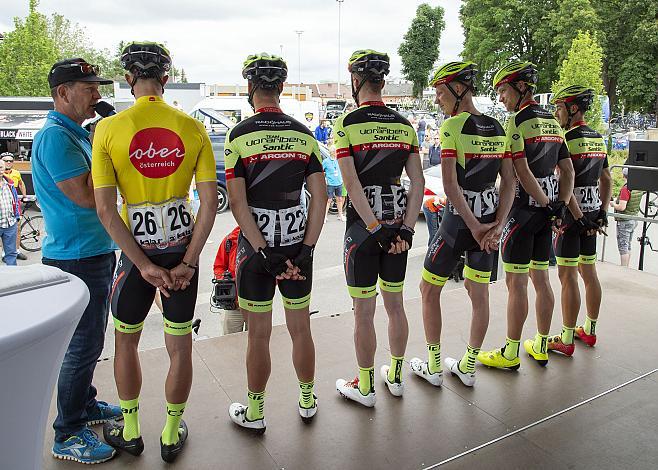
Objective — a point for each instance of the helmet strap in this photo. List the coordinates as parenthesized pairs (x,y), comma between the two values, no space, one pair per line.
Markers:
(459,97)
(355,92)
(521,95)
(250,98)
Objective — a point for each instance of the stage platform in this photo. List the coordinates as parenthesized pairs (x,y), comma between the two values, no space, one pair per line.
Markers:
(505,412)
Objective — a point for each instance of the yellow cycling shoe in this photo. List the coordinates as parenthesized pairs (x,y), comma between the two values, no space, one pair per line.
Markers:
(496,359)
(541,358)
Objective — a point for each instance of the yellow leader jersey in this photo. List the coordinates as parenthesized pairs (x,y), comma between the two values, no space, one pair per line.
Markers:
(150,152)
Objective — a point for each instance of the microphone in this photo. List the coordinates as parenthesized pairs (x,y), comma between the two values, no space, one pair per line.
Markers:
(104,109)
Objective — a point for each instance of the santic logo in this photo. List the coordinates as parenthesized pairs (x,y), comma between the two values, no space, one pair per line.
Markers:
(156,152)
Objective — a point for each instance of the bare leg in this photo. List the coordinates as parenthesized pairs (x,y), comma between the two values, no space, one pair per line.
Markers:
(398,328)
(127,369)
(365,338)
(479,294)
(339,204)
(570,294)
(517,303)
(179,378)
(592,289)
(303,349)
(431,311)
(545,300)
(625,259)
(259,365)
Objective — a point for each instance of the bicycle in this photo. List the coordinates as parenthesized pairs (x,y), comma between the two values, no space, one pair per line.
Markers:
(652,208)
(33,227)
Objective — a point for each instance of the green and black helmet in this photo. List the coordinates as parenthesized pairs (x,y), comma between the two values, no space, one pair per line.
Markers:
(574,94)
(146,59)
(264,69)
(525,72)
(464,72)
(369,64)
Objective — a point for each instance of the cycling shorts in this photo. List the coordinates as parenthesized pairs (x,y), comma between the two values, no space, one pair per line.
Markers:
(256,286)
(573,247)
(451,241)
(526,240)
(364,262)
(132,297)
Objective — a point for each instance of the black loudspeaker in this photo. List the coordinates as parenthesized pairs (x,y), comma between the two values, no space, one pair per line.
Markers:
(643,153)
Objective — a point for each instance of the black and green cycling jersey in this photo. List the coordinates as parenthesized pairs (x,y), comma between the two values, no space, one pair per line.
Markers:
(380,141)
(534,134)
(589,158)
(478,143)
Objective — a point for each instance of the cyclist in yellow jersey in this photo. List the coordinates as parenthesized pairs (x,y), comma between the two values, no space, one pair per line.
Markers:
(149,153)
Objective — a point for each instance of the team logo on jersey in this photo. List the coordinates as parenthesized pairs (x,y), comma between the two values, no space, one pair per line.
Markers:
(447,134)
(227,152)
(156,152)
(341,133)
(516,136)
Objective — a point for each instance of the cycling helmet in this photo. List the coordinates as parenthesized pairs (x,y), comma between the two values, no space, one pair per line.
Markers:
(463,72)
(146,59)
(575,94)
(370,65)
(264,71)
(6,154)
(517,72)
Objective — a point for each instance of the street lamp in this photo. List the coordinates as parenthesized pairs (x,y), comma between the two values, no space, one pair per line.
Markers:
(299,64)
(340,2)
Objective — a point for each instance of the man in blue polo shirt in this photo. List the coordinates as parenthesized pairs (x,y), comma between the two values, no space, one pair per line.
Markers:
(77,243)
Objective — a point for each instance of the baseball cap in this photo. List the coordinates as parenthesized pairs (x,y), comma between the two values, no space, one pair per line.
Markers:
(74,70)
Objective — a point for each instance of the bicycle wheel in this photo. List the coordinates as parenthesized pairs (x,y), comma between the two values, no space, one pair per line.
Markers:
(653,205)
(33,230)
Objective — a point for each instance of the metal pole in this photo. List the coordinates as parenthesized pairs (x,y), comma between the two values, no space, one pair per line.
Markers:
(338,89)
(645,226)
(299,64)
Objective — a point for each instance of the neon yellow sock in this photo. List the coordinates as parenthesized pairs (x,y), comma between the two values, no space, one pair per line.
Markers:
(174,414)
(306,399)
(467,362)
(366,380)
(395,371)
(511,349)
(434,357)
(590,325)
(541,343)
(255,405)
(567,334)
(130,410)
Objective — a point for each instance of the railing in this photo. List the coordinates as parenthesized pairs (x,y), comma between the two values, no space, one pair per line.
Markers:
(645,220)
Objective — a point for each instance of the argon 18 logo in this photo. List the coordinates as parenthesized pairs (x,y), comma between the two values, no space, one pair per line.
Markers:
(156,152)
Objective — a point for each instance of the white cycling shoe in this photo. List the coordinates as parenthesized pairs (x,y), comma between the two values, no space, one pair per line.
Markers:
(421,369)
(351,391)
(396,389)
(308,413)
(238,414)
(467,378)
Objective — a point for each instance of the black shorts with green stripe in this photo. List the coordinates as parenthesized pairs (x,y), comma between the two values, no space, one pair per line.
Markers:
(365,262)
(256,286)
(526,240)
(449,243)
(573,247)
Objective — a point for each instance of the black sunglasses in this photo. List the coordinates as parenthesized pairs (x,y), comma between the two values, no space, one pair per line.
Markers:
(84,67)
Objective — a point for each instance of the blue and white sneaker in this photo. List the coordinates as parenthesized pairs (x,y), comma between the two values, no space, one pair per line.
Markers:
(83,447)
(103,413)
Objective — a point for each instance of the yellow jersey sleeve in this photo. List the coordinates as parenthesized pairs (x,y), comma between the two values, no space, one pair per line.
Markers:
(205,170)
(341,140)
(232,159)
(448,140)
(102,168)
(516,144)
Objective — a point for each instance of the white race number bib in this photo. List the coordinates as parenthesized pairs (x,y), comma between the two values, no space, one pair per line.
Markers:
(161,225)
(549,186)
(386,206)
(588,198)
(481,203)
(281,227)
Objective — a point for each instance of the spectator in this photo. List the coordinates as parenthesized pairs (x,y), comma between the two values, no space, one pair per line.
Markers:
(422,125)
(433,211)
(334,181)
(234,321)
(628,203)
(322,132)
(16,177)
(435,152)
(77,243)
(10,213)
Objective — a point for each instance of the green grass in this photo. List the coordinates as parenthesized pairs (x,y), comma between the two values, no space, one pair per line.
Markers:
(618,157)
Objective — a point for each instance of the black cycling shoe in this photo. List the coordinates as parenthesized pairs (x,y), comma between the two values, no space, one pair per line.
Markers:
(170,452)
(113,434)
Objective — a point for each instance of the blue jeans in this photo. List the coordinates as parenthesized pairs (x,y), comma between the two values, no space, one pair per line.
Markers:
(76,396)
(432,220)
(8,236)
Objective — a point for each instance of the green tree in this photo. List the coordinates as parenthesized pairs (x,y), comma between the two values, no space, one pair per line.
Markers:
(570,17)
(583,67)
(420,47)
(183,76)
(26,55)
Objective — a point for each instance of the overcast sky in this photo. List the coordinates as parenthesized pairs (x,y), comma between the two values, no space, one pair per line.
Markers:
(211,38)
